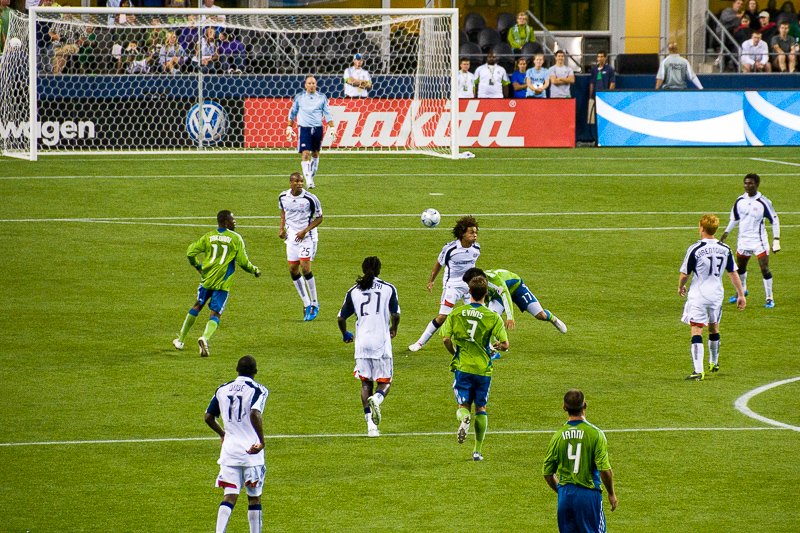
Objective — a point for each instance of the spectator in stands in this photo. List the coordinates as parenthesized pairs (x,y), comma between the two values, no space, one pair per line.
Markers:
(491,79)
(87,54)
(357,81)
(520,33)
(232,53)
(784,49)
(755,55)
(772,9)
(208,62)
(218,19)
(675,71)
(561,77)
(751,12)
(743,32)
(466,80)
(518,78)
(731,16)
(787,13)
(66,40)
(171,56)
(602,76)
(537,78)
(768,29)
(188,35)
(157,34)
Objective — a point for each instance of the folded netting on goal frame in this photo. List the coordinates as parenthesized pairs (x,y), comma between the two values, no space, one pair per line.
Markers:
(99,80)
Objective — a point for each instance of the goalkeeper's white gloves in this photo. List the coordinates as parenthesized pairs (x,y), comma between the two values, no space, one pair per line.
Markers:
(776,245)
(330,134)
(289,133)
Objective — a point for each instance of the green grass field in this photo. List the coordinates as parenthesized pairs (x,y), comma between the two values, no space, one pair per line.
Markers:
(104,419)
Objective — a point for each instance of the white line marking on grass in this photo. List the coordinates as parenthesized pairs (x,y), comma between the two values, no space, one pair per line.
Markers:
(390,175)
(360,435)
(741,404)
(775,161)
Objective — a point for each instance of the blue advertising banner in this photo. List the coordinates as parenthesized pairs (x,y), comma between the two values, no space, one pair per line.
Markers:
(698,118)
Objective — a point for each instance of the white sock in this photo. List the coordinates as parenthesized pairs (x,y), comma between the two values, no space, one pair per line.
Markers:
(378,398)
(223,515)
(300,285)
(312,290)
(254,517)
(308,173)
(697,356)
(430,329)
(743,277)
(370,424)
(713,352)
(314,166)
(768,288)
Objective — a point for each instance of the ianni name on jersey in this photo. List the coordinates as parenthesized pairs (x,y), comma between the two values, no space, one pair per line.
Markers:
(223,238)
(572,434)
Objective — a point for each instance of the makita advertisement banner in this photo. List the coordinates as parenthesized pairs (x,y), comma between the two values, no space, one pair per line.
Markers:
(371,123)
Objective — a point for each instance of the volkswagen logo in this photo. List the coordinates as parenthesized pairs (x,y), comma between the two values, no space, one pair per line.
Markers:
(207,123)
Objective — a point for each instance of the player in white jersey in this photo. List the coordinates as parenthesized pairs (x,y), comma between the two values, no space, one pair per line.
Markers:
(240,405)
(377,310)
(749,212)
(705,261)
(456,258)
(301,213)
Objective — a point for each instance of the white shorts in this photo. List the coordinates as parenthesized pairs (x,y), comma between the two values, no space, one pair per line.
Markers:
(233,478)
(748,247)
(454,293)
(300,251)
(379,370)
(701,313)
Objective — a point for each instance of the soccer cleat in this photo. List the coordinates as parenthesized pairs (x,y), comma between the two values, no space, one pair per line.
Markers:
(375,410)
(463,429)
(177,344)
(306,313)
(770,304)
(713,368)
(203,347)
(560,326)
(476,456)
(373,432)
(312,312)
(414,347)
(733,299)
(311,184)
(696,376)
(494,354)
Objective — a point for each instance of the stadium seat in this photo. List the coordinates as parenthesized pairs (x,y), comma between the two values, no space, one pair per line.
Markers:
(637,64)
(462,37)
(531,49)
(505,56)
(472,52)
(505,21)
(487,38)
(473,24)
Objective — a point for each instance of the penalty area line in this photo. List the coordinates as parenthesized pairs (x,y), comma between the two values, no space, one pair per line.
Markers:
(775,161)
(388,435)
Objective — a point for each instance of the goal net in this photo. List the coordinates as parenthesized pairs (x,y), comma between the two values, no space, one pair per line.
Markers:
(99,80)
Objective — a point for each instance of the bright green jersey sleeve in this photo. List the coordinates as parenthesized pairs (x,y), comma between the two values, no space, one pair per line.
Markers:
(471,329)
(577,453)
(222,251)
(502,284)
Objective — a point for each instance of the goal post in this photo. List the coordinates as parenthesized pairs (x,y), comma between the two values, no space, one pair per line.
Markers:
(193,80)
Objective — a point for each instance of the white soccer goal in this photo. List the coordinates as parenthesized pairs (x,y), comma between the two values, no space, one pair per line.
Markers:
(137,80)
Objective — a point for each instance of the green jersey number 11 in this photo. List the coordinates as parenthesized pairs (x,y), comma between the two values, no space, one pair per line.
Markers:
(215,247)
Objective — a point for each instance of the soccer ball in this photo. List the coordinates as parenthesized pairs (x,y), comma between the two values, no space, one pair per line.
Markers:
(431,218)
(14,43)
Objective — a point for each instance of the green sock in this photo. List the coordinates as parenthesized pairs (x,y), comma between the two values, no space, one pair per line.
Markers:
(211,327)
(187,325)
(481,423)
(461,413)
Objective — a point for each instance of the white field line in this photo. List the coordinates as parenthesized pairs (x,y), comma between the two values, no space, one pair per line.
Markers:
(459,175)
(360,435)
(741,404)
(776,161)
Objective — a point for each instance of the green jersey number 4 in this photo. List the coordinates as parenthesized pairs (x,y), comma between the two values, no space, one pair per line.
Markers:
(216,247)
(575,457)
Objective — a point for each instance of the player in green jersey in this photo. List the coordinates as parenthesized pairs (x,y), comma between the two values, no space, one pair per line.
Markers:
(468,333)
(222,250)
(507,289)
(575,463)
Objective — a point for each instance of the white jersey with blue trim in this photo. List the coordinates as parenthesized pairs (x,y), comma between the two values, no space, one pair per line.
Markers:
(300,210)
(706,260)
(373,309)
(309,109)
(233,402)
(456,260)
(749,212)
